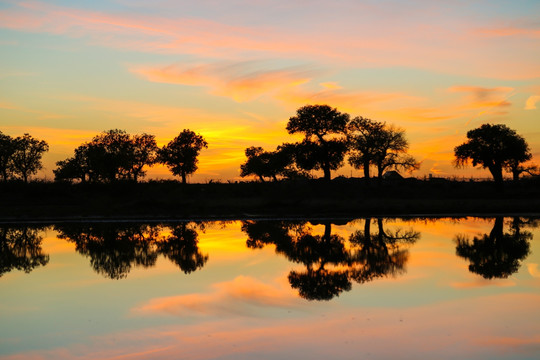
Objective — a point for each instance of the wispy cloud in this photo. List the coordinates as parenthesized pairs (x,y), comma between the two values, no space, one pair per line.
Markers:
(293,86)
(479,97)
(240,81)
(511,31)
(438,46)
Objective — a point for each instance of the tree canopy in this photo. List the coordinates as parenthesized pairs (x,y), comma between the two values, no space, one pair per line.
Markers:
(374,143)
(271,164)
(25,160)
(180,154)
(495,147)
(324,144)
(110,156)
(7,148)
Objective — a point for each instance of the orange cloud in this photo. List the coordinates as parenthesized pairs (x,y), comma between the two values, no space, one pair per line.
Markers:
(292,86)
(510,31)
(531,102)
(238,81)
(240,296)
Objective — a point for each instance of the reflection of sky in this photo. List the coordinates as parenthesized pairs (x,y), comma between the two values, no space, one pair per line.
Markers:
(235,71)
(240,305)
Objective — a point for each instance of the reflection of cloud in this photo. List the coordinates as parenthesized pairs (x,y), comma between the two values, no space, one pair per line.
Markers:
(531,102)
(533,270)
(527,345)
(464,328)
(239,296)
(480,282)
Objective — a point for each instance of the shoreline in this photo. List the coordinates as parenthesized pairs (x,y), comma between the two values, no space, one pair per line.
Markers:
(340,199)
(246,217)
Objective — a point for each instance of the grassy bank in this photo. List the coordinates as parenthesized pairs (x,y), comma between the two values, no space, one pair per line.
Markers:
(341,197)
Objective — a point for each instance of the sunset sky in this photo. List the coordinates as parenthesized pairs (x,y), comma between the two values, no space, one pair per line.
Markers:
(235,71)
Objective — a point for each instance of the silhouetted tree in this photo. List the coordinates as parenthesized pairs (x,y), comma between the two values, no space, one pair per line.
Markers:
(383,146)
(257,163)
(270,164)
(7,148)
(75,168)
(110,156)
(495,147)
(364,137)
(324,146)
(180,155)
(143,153)
(20,248)
(26,159)
(113,248)
(497,254)
(181,247)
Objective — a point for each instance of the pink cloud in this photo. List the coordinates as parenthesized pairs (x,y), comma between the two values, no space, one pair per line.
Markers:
(447,47)
(239,296)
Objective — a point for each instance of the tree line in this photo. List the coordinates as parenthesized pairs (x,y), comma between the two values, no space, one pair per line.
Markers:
(329,136)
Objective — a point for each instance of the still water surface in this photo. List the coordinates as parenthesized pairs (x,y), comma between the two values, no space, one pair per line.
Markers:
(363,289)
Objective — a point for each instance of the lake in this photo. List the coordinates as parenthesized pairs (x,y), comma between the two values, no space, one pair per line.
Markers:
(378,288)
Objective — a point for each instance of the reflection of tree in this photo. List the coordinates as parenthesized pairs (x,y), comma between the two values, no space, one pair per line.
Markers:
(497,254)
(316,252)
(380,254)
(181,248)
(330,263)
(115,248)
(20,248)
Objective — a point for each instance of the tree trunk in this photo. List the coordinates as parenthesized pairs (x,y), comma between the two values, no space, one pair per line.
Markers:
(366,170)
(327,175)
(381,227)
(25,177)
(261,178)
(367,228)
(327,231)
(497,231)
(379,174)
(515,174)
(496,172)
(183,177)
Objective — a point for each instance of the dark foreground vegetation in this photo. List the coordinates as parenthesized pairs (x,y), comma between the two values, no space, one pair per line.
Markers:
(303,198)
